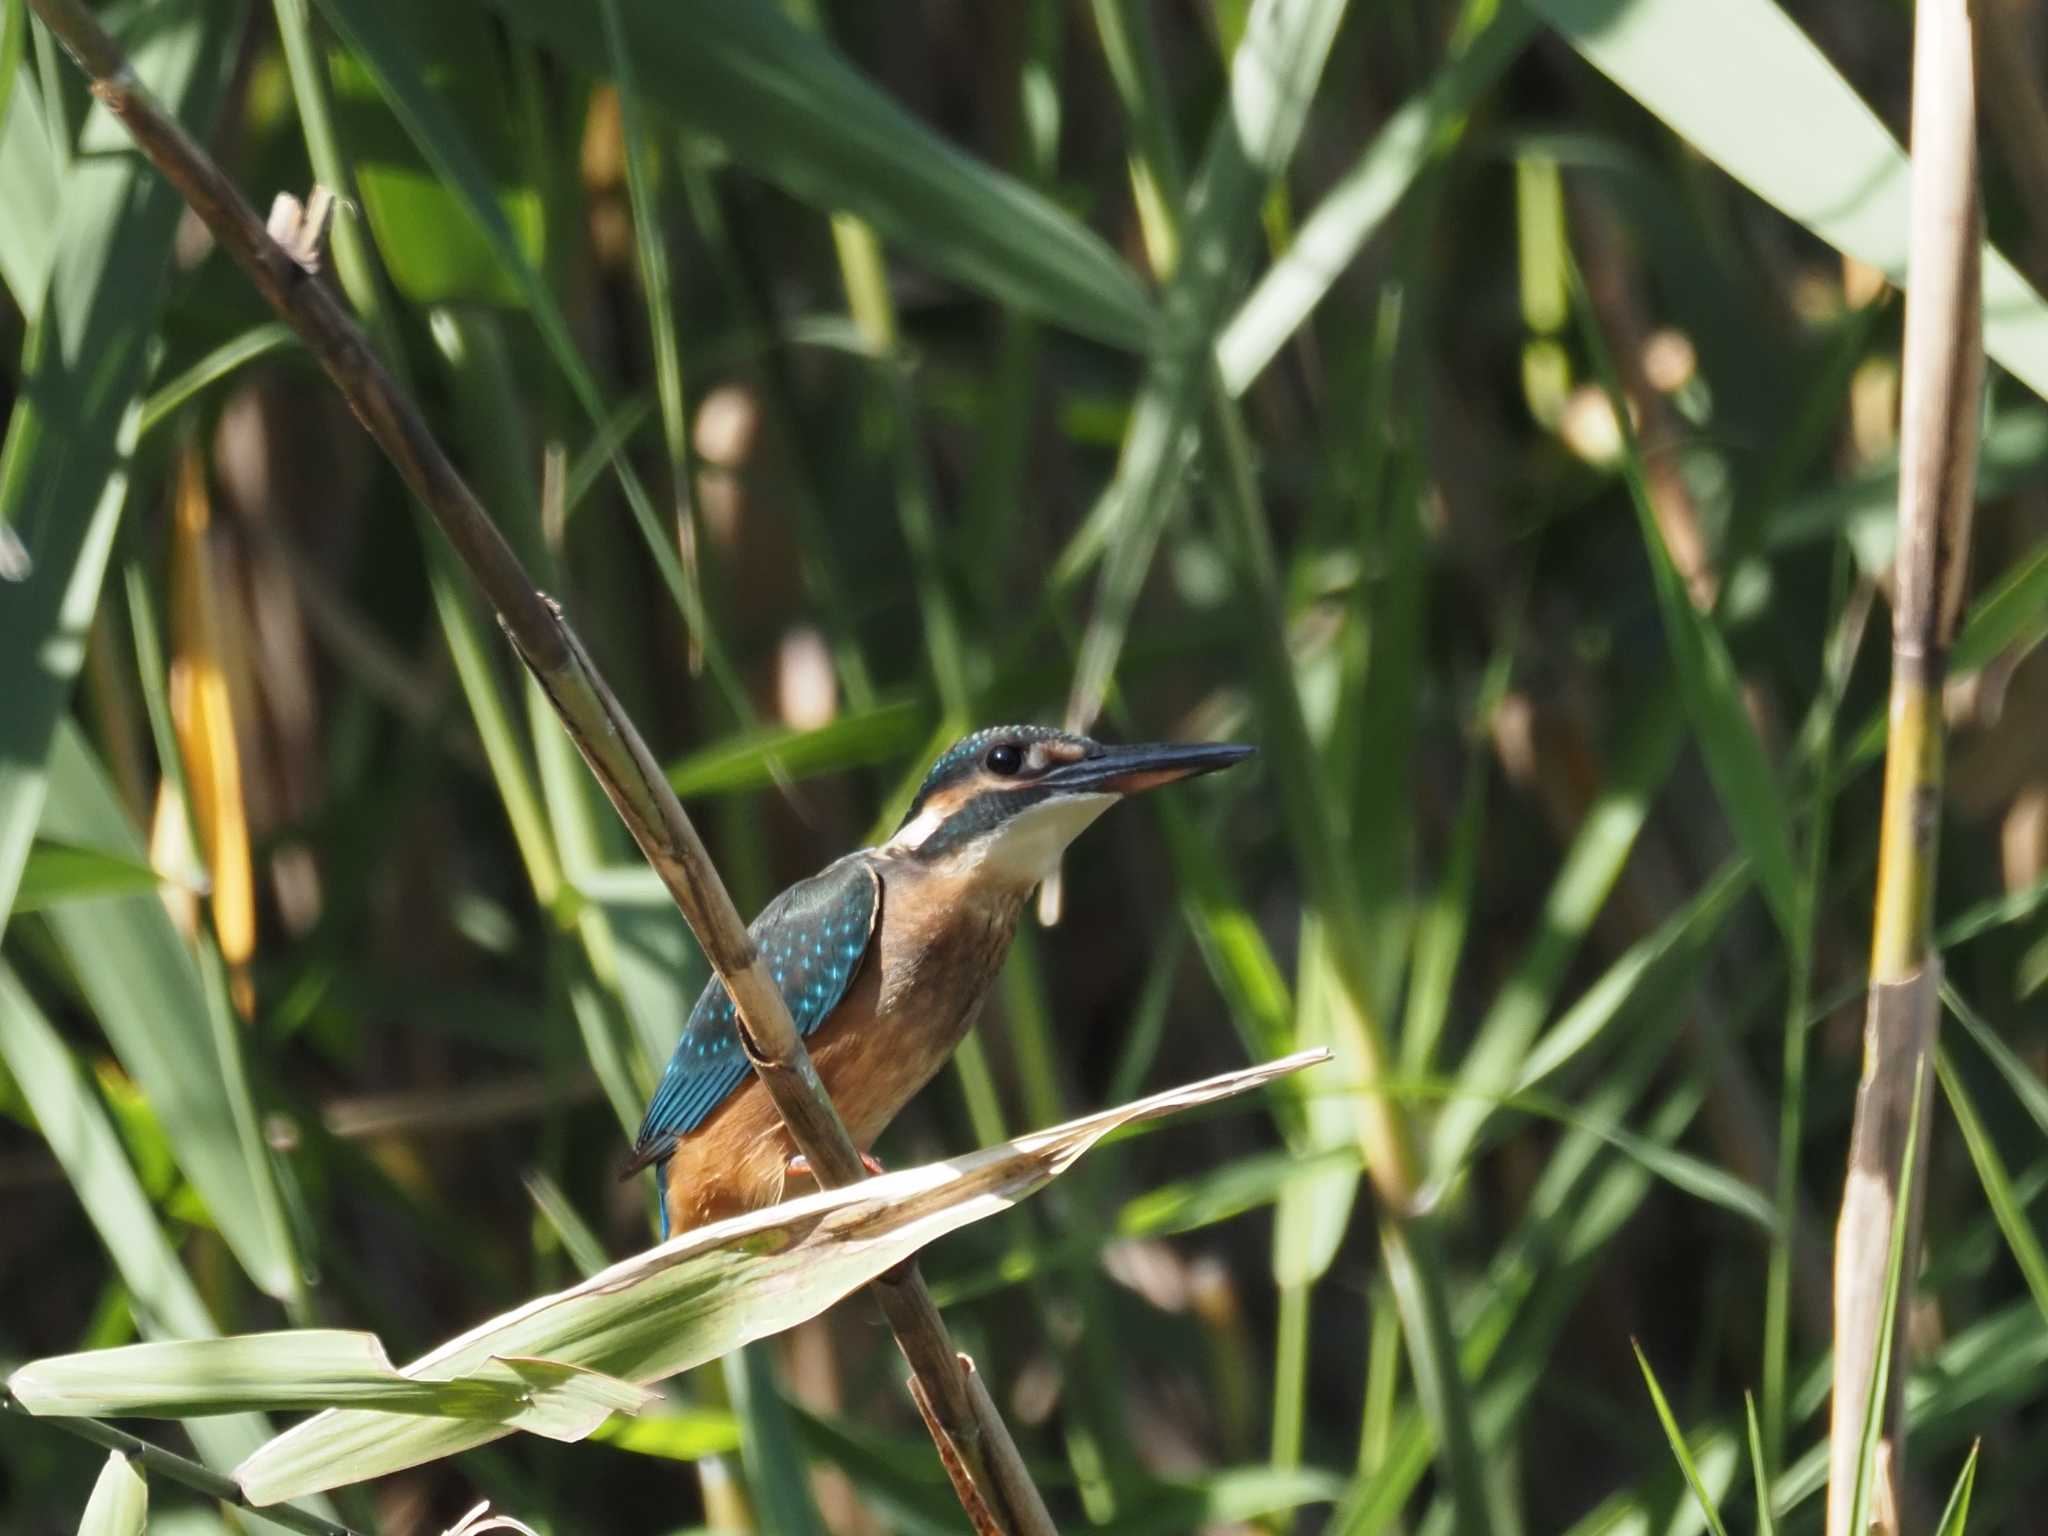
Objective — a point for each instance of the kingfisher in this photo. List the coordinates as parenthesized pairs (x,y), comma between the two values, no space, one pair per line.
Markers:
(885,957)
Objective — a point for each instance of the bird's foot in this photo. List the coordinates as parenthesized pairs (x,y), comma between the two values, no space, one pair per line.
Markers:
(799,1167)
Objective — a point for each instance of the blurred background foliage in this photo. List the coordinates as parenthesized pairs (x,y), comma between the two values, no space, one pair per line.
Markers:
(857,375)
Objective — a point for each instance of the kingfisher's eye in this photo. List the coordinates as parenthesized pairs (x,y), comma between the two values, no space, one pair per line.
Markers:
(1005,759)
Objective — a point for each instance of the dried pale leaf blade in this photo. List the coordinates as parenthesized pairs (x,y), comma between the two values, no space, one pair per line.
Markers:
(204,1376)
(311,1369)
(712,1290)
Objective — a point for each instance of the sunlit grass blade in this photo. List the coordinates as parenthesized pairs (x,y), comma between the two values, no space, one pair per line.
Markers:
(2020,1237)
(1690,1175)
(673,1433)
(120,1501)
(710,1291)
(1506,1345)
(1314,1213)
(791,109)
(1239,960)
(2025,1083)
(62,471)
(1679,1449)
(1955,1517)
(237,352)
(1687,63)
(555,1208)
(1687,934)
(1759,1471)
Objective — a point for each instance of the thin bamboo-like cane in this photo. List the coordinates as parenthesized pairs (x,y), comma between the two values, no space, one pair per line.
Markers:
(1944,367)
(971,1432)
(151,1457)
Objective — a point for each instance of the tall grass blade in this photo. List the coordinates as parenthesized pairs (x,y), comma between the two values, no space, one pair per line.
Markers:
(2007,1208)
(1679,1449)
(63,475)
(1759,1470)
(1955,1517)
(2025,1083)
(222,363)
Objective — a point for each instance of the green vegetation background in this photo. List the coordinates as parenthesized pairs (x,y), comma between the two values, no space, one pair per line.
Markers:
(860,376)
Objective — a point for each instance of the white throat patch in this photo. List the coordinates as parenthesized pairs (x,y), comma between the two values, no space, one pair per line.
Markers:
(1026,847)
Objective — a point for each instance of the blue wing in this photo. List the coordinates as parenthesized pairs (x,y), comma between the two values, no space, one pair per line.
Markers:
(813,937)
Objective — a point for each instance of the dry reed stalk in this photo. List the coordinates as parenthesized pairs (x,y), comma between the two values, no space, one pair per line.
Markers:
(1943,368)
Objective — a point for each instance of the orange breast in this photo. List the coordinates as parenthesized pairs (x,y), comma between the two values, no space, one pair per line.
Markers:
(940,944)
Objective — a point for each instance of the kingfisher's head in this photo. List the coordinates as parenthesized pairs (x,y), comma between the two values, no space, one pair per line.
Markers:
(1005,802)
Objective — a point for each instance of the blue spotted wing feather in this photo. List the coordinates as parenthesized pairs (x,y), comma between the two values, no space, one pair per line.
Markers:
(813,938)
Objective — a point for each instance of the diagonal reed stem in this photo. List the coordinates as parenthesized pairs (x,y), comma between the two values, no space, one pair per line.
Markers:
(169,1465)
(1944,369)
(965,1420)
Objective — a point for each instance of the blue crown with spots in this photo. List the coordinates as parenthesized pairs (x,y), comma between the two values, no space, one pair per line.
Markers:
(959,759)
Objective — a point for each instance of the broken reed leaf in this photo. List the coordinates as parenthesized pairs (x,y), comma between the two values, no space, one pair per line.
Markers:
(315,1368)
(709,1291)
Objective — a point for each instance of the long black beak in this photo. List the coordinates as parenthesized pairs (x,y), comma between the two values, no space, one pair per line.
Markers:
(1129,770)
